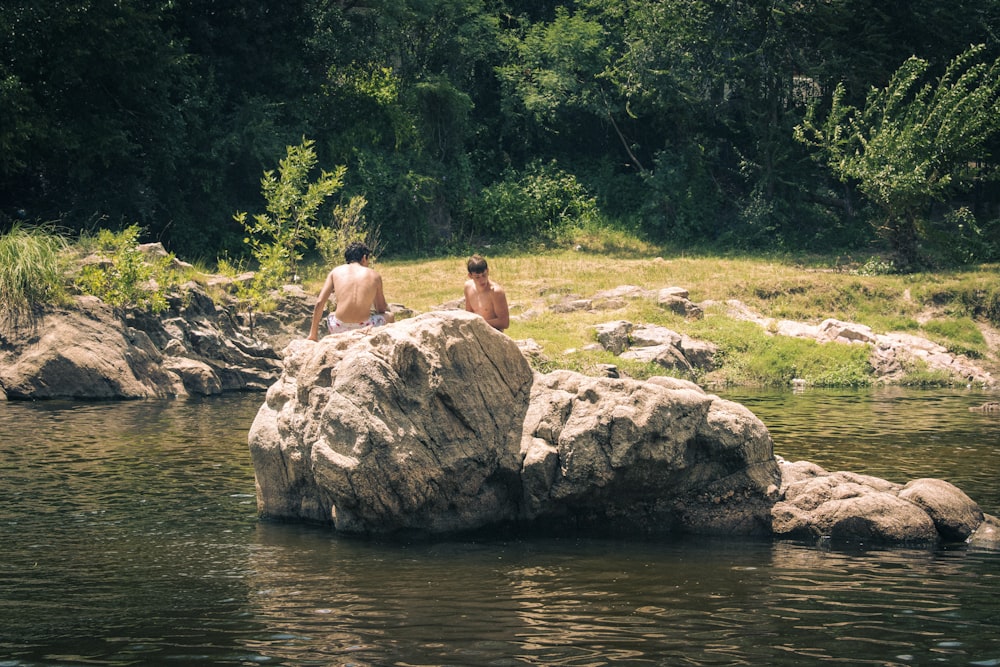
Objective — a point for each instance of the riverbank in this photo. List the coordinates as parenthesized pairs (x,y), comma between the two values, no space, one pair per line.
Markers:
(717,321)
(556,302)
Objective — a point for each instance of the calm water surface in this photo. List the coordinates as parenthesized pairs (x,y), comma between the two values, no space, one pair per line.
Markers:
(129,536)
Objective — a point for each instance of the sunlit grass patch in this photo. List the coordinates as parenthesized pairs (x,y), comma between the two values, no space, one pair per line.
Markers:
(558,333)
(749,355)
(974,293)
(959,335)
(32,269)
(919,375)
(607,240)
(540,284)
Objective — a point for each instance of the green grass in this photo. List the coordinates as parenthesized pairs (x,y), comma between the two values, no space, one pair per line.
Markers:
(948,307)
(753,357)
(808,290)
(32,265)
(960,335)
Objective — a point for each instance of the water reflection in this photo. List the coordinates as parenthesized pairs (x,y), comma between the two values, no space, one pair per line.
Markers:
(895,433)
(130,537)
(580,602)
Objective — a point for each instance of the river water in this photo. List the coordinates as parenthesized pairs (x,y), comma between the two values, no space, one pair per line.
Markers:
(129,536)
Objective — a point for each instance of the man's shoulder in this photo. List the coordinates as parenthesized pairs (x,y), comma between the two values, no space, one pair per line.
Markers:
(352,268)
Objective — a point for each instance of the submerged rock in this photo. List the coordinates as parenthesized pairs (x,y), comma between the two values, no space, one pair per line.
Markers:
(847,506)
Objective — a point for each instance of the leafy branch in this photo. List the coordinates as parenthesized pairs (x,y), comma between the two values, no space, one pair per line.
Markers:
(914,142)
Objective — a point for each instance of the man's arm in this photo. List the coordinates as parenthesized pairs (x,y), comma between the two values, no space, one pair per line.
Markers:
(324,296)
(502,319)
(469,287)
(381,305)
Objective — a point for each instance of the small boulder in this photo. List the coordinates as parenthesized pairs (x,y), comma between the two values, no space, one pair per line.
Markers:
(955,515)
(614,336)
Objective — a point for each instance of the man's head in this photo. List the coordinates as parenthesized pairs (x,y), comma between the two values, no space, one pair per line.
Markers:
(356,252)
(477,264)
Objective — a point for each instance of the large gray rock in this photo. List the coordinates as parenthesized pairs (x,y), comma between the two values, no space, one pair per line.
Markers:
(954,514)
(437,424)
(650,343)
(644,457)
(83,351)
(414,426)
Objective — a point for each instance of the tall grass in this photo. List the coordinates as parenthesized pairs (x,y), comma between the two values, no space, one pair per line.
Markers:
(32,270)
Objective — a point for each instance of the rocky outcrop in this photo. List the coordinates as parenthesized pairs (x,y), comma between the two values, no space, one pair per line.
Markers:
(86,350)
(658,456)
(842,505)
(891,353)
(83,351)
(651,343)
(437,425)
(204,347)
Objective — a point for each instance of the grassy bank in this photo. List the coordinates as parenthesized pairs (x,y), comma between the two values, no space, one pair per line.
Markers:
(951,308)
(959,309)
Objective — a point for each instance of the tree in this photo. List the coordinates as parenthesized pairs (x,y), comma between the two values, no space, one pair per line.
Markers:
(915,141)
(293,202)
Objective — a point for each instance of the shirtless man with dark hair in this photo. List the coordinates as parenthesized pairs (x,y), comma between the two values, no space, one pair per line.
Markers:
(358,289)
(485,297)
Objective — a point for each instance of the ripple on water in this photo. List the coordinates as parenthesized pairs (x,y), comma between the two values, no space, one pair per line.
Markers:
(130,537)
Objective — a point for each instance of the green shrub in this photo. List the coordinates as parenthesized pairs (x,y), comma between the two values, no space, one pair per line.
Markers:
(126,277)
(543,202)
(293,203)
(877,266)
(349,226)
(32,267)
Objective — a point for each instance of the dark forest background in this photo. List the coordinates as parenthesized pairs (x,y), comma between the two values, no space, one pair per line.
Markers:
(464,120)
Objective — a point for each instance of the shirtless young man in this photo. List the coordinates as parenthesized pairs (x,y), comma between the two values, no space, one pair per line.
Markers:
(358,289)
(484,297)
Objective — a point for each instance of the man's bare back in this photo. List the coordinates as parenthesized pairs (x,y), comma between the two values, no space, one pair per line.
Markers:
(358,289)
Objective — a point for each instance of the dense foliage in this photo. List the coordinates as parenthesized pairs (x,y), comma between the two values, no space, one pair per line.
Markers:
(460,120)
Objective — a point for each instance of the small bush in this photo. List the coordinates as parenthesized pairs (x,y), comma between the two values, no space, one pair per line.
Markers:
(544,201)
(349,226)
(276,237)
(877,266)
(127,277)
